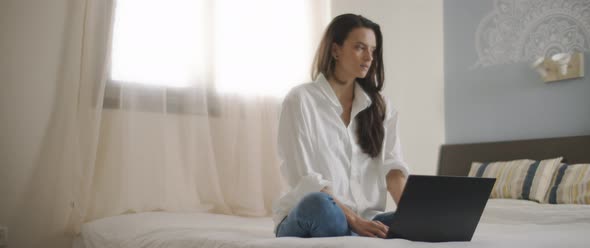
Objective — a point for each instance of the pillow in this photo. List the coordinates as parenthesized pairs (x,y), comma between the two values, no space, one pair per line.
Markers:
(570,185)
(518,179)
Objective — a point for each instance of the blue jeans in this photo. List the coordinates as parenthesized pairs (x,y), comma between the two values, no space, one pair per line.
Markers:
(317,215)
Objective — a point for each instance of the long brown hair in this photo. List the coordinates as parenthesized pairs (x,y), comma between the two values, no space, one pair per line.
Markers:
(370,129)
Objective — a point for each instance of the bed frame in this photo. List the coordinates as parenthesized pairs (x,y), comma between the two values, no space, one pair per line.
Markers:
(455,159)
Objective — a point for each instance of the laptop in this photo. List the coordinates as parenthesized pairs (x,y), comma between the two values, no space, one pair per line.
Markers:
(440,208)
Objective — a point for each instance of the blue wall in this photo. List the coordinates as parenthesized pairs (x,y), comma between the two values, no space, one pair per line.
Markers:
(503,101)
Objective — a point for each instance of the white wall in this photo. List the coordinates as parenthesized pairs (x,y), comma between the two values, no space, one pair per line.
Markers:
(413,58)
(30,47)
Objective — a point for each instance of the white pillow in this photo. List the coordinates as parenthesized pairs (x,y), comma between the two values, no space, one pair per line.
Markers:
(518,179)
(570,185)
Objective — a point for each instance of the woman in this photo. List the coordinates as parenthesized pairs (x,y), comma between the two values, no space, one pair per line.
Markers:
(338,140)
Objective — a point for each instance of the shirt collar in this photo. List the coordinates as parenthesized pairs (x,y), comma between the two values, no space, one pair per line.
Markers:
(361,98)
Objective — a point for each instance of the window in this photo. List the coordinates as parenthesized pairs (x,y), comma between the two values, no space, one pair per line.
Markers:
(248,47)
(159,43)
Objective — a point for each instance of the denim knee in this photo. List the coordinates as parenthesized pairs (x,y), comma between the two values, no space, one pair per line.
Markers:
(319,210)
(316,203)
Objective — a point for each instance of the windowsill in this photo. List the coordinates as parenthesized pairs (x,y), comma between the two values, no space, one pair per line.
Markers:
(161,99)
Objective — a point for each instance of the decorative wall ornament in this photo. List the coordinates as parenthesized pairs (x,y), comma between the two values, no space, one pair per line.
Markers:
(523,30)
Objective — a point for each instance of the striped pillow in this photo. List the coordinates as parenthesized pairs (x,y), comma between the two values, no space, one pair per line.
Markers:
(571,185)
(518,179)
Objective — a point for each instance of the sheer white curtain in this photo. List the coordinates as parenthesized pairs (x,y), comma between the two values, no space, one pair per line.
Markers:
(192,104)
(55,197)
(175,110)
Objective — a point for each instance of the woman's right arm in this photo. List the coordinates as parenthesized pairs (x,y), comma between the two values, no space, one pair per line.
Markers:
(296,150)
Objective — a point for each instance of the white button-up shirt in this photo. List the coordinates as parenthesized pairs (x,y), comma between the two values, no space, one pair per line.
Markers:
(318,150)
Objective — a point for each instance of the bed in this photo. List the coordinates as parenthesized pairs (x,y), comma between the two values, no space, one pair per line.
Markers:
(505,222)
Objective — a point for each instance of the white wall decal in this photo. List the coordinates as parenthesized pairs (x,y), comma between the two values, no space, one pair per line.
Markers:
(521,30)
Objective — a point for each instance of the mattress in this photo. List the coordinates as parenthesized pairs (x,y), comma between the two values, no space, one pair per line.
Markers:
(505,223)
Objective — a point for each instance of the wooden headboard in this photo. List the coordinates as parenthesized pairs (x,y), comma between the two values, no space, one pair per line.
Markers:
(455,160)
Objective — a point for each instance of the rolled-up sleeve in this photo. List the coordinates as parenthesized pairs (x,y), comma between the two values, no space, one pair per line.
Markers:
(296,150)
(392,150)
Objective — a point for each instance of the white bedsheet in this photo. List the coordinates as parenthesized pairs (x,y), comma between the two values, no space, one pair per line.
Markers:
(505,223)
